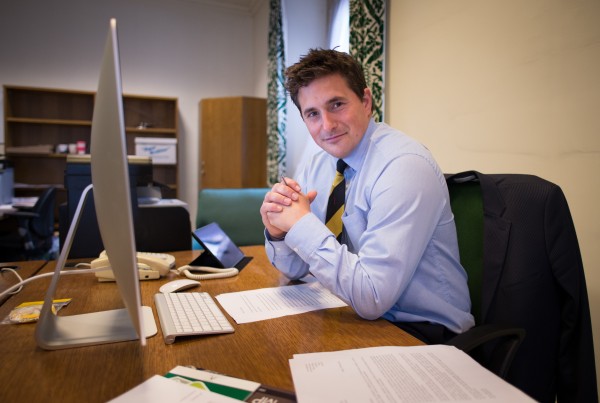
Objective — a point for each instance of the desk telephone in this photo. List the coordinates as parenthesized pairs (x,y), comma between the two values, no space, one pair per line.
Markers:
(150,265)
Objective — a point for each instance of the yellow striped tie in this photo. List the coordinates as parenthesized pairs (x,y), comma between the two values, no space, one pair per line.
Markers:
(335,205)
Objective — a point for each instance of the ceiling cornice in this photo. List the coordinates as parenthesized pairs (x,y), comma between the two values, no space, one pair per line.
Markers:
(245,6)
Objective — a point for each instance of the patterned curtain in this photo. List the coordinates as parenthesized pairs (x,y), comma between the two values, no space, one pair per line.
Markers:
(367,37)
(276,97)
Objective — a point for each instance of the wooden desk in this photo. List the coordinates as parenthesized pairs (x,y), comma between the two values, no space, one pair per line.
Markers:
(257,351)
(24,269)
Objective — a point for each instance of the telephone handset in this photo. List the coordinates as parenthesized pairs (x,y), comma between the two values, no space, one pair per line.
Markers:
(150,265)
(209,272)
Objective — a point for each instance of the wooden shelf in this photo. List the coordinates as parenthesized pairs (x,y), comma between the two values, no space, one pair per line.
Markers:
(62,122)
(151,131)
(38,116)
(40,187)
(36,155)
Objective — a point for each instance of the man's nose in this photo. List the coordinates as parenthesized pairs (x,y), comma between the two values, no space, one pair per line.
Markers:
(329,122)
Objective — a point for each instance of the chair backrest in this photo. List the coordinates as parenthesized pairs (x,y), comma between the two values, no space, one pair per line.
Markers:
(157,229)
(29,232)
(237,211)
(43,225)
(467,207)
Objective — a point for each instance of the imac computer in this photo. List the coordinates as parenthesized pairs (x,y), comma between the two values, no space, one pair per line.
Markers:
(110,184)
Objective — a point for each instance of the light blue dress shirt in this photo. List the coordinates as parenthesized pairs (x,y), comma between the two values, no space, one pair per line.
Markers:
(400,258)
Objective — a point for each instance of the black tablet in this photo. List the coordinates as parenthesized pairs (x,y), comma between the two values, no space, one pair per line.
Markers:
(219,249)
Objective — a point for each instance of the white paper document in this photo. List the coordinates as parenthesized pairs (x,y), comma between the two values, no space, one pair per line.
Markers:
(159,389)
(268,303)
(435,373)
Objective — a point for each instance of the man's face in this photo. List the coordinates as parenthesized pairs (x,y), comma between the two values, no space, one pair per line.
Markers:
(334,115)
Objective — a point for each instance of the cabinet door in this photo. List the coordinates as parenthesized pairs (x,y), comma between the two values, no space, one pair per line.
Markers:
(233,146)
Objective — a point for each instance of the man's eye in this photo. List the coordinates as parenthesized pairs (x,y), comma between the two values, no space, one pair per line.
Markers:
(336,105)
(311,114)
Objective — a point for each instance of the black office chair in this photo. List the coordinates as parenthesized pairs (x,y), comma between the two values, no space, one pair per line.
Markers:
(27,234)
(157,229)
(492,345)
(532,279)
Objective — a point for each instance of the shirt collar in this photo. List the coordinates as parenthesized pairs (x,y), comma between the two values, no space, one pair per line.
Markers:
(356,158)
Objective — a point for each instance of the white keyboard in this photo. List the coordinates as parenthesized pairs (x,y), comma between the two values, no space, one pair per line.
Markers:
(189,314)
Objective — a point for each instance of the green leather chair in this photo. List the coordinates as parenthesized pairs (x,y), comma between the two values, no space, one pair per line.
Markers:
(236,211)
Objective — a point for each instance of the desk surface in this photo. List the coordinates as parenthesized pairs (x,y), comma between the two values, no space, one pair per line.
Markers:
(257,351)
(24,269)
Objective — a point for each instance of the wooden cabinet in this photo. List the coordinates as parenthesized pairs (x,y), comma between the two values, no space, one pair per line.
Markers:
(233,149)
(37,120)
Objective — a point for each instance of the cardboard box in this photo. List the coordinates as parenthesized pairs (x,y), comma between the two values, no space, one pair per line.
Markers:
(161,150)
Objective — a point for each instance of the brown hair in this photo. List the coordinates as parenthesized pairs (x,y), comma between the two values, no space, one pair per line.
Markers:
(320,63)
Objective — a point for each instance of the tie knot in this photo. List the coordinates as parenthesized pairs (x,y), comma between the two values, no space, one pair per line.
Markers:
(341,166)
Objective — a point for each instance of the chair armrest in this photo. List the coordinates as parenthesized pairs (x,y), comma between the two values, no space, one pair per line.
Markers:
(502,341)
(22,213)
(481,334)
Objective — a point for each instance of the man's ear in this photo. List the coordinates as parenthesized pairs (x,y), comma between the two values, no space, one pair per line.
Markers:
(368,100)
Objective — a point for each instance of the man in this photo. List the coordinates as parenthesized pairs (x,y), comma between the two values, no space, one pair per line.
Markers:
(397,256)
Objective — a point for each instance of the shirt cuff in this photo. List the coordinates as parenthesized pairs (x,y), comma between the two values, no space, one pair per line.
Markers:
(271,238)
(307,235)
(276,248)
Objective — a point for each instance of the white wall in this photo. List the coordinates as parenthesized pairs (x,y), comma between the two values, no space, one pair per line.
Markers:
(506,86)
(182,49)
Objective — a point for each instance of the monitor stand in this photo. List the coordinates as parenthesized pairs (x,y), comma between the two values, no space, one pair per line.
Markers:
(60,332)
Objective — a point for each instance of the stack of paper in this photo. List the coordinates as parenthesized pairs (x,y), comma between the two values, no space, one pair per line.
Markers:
(434,373)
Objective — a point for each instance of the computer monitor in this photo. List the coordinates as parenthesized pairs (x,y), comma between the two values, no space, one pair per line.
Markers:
(110,182)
